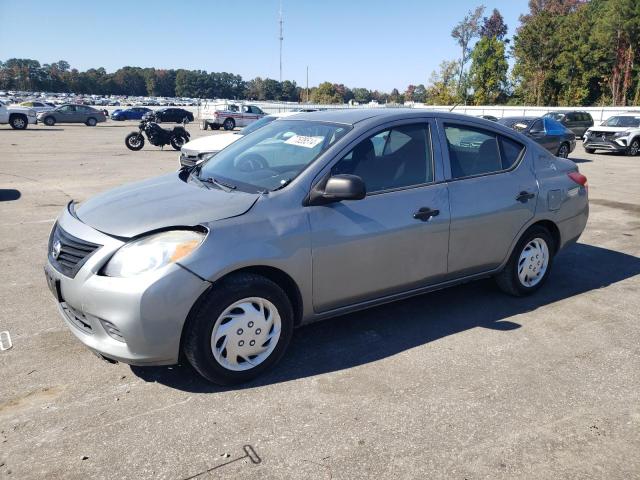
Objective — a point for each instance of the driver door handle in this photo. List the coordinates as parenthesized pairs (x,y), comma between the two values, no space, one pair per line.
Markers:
(524,197)
(425,213)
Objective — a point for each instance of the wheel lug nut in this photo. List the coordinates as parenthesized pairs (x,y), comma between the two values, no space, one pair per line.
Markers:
(252,343)
(258,331)
(250,324)
(239,332)
(241,343)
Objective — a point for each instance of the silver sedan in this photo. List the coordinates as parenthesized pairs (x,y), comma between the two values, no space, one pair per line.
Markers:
(308,218)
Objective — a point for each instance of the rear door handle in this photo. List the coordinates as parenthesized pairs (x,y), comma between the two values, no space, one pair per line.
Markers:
(425,213)
(524,197)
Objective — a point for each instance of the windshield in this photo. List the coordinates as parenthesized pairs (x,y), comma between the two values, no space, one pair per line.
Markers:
(272,156)
(257,124)
(627,121)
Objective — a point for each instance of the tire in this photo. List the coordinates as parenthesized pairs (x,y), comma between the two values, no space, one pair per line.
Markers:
(134,141)
(49,121)
(185,120)
(634,147)
(238,293)
(18,121)
(91,122)
(510,281)
(177,142)
(214,126)
(204,125)
(563,150)
(229,124)
(590,150)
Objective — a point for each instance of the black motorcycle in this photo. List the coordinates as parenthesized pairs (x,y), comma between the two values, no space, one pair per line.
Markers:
(157,135)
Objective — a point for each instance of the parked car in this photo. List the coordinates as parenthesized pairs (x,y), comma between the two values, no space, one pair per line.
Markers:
(16,116)
(620,133)
(201,148)
(576,121)
(133,113)
(307,218)
(169,115)
(549,133)
(37,106)
(489,117)
(70,113)
(229,116)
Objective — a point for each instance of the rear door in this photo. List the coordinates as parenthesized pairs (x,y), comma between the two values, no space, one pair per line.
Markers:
(492,194)
(375,247)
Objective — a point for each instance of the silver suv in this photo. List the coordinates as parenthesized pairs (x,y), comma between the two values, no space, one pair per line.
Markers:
(308,218)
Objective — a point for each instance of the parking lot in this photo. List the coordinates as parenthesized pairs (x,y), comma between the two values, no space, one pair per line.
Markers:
(464,383)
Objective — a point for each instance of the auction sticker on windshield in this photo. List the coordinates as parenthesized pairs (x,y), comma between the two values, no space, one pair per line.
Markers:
(304,141)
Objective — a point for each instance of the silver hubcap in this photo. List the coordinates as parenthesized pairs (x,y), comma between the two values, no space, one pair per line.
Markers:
(634,148)
(246,333)
(18,122)
(563,152)
(533,262)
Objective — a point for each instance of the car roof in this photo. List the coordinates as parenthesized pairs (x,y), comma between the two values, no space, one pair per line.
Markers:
(521,117)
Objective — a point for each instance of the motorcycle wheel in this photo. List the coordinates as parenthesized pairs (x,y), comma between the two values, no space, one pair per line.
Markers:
(134,141)
(177,142)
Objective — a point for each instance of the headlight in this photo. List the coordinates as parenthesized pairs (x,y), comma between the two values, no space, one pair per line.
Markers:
(620,134)
(153,252)
(206,156)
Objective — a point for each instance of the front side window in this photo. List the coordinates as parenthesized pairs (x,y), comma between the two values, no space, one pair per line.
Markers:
(68,109)
(272,156)
(474,151)
(395,158)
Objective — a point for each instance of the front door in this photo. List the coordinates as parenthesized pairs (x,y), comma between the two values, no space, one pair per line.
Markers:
(395,239)
(492,193)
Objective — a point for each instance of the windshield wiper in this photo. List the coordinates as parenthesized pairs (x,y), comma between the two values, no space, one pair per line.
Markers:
(223,185)
(283,183)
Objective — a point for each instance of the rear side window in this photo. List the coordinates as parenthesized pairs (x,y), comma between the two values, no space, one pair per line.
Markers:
(474,151)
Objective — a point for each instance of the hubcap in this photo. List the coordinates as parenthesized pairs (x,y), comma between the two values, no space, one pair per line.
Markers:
(634,148)
(246,333)
(563,151)
(18,122)
(533,262)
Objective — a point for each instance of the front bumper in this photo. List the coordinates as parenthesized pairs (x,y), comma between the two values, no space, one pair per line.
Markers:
(614,145)
(149,311)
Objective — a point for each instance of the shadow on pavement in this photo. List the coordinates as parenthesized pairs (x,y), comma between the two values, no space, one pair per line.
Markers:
(9,194)
(370,335)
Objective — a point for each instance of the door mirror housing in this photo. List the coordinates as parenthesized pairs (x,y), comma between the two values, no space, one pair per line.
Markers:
(336,189)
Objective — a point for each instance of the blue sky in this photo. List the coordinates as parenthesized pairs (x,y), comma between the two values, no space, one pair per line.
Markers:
(376,44)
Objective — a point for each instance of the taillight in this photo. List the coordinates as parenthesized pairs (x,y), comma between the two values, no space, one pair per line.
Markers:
(578,178)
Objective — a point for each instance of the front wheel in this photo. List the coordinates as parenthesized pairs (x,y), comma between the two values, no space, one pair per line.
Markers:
(634,148)
(49,121)
(177,142)
(241,329)
(529,264)
(563,151)
(18,122)
(134,141)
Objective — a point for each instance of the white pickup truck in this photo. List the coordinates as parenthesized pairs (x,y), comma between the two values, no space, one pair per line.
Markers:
(18,117)
(229,116)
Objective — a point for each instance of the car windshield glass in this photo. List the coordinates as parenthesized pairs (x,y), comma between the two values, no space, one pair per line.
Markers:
(257,124)
(623,122)
(518,124)
(272,156)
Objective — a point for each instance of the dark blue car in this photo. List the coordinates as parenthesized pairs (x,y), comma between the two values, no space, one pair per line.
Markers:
(133,113)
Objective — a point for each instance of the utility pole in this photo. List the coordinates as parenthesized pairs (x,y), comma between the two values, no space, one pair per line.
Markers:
(281,38)
(307,83)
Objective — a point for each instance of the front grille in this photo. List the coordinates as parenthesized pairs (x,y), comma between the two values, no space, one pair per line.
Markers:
(77,318)
(67,253)
(608,136)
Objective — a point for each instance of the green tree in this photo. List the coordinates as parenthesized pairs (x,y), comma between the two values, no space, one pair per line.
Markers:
(488,72)
(442,88)
(326,94)
(464,32)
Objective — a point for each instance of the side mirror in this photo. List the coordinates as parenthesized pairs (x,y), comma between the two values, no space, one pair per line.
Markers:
(336,189)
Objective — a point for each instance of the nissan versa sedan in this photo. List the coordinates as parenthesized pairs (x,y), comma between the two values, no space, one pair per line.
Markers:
(72,114)
(307,218)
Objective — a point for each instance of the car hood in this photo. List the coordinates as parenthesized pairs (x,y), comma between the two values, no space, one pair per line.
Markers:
(20,108)
(161,202)
(610,129)
(210,143)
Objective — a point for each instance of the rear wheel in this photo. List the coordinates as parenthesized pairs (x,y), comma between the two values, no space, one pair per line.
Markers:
(563,151)
(18,121)
(177,142)
(634,147)
(529,264)
(590,150)
(49,121)
(214,126)
(229,124)
(134,141)
(91,122)
(241,329)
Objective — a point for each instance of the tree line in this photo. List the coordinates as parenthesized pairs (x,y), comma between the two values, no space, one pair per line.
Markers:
(565,52)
